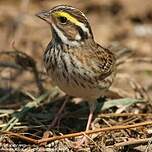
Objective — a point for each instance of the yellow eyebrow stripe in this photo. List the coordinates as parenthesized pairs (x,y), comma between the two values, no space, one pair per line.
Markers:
(68,16)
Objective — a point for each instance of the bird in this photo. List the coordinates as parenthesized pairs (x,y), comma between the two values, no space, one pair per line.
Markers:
(76,63)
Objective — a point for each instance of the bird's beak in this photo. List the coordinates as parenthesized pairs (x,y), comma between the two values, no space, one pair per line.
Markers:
(45,15)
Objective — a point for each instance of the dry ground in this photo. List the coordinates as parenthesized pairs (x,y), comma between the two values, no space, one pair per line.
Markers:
(26,107)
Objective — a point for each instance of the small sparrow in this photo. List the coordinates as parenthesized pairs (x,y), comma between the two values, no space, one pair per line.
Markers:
(77,64)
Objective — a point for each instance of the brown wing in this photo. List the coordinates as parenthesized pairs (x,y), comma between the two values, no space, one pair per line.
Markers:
(100,62)
(105,62)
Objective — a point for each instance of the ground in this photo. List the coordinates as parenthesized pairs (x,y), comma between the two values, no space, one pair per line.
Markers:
(29,101)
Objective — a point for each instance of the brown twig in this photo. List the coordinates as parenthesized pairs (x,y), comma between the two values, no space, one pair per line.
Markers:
(28,139)
(95,131)
(23,62)
(132,142)
(31,140)
(123,114)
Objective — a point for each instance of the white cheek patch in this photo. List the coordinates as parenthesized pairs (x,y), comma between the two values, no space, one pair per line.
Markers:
(78,37)
(64,38)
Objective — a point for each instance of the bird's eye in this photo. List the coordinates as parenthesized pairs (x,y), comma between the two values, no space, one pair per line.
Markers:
(63,19)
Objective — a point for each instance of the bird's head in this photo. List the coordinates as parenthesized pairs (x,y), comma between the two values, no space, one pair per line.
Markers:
(68,24)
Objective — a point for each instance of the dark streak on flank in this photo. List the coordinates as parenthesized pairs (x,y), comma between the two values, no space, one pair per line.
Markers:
(82,68)
(49,58)
(73,62)
(64,75)
(64,63)
(82,85)
(58,48)
(76,82)
(55,59)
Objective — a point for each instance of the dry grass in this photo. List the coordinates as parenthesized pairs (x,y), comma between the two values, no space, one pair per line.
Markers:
(28,102)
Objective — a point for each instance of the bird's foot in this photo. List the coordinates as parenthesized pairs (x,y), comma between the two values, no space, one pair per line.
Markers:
(82,142)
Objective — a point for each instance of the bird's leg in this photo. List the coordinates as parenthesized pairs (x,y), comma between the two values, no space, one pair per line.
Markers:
(54,122)
(92,106)
(57,116)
